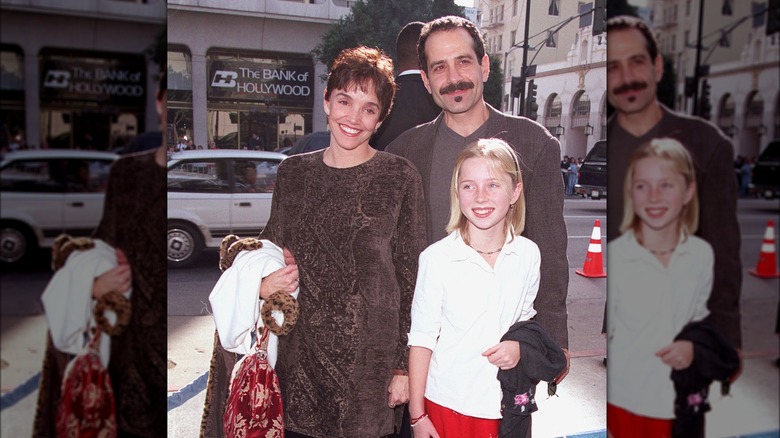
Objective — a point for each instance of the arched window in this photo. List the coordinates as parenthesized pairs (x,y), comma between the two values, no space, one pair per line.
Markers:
(726,111)
(754,111)
(581,110)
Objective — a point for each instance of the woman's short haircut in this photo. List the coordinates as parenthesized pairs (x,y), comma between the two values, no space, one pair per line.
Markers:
(363,67)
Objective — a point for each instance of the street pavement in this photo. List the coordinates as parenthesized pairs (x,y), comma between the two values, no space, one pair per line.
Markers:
(751,410)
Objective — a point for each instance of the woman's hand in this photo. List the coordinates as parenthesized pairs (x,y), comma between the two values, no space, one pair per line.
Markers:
(398,391)
(284,279)
(505,355)
(117,279)
(678,354)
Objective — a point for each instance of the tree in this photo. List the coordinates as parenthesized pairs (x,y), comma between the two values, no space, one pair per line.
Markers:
(494,87)
(376,23)
(620,7)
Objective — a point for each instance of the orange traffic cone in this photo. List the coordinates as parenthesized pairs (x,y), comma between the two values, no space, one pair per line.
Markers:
(767,259)
(594,268)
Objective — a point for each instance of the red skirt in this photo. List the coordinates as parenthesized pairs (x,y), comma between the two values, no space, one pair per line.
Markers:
(624,424)
(450,424)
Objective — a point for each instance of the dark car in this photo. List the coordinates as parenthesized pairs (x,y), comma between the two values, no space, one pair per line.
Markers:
(766,172)
(592,177)
(311,142)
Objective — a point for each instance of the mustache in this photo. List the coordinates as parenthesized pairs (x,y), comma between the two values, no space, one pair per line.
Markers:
(631,86)
(457,86)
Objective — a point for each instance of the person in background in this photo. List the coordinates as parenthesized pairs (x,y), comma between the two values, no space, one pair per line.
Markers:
(413,104)
(571,174)
(255,142)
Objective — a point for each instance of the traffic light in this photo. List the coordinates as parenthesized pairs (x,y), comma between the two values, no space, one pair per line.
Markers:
(532,106)
(773,17)
(600,17)
(690,86)
(705,109)
(515,86)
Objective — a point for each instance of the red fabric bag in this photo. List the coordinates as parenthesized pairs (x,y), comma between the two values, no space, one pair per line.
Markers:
(86,408)
(254,404)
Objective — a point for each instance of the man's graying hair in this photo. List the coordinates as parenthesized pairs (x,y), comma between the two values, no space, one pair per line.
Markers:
(449,23)
(627,22)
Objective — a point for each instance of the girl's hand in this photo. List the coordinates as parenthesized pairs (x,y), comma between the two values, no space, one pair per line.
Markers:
(424,429)
(284,279)
(117,279)
(678,354)
(505,355)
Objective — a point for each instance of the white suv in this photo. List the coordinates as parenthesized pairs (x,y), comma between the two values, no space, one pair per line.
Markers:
(49,192)
(213,193)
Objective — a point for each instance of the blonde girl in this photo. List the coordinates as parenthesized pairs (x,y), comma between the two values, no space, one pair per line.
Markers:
(471,287)
(661,276)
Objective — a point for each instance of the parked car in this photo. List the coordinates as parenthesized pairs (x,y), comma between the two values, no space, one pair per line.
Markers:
(213,193)
(592,178)
(311,142)
(49,192)
(766,172)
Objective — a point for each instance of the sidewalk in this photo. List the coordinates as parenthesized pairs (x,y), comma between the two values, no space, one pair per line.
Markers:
(582,395)
(579,409)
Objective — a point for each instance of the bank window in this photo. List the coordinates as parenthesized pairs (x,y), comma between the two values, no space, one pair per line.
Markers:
(179,96)
(258,100)
(179,74)
(11,65)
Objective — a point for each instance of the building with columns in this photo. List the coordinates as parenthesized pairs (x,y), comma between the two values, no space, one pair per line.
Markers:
(741,65)
(76,74)
(569,62)
(241,68)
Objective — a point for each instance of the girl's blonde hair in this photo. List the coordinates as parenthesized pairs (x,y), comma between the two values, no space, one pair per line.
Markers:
(674,153)
(501,158)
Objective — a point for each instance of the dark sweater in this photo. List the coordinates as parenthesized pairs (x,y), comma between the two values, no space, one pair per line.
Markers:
(356,235)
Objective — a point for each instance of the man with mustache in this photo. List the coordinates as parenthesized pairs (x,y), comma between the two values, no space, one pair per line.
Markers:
(454,68)
(634,67)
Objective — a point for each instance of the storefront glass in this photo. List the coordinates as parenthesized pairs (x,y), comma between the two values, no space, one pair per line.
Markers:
(179,95)
(91,100)
(258,101)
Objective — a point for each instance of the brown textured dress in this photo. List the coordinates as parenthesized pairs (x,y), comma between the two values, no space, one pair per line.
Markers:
(356,234)
(133,219)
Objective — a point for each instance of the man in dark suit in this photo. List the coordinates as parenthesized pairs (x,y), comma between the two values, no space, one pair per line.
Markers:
(413,104)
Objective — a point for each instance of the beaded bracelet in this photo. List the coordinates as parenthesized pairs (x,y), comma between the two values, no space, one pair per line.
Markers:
(413,422)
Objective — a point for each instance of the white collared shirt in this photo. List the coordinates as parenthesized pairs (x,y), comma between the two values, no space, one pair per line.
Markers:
(648,305)
(461,308)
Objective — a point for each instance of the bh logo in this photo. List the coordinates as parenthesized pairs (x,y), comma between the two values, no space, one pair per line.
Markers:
(225,79)
(56,79)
